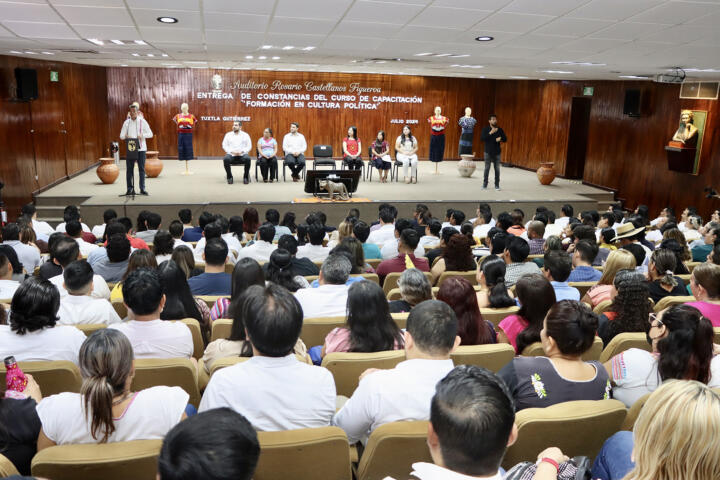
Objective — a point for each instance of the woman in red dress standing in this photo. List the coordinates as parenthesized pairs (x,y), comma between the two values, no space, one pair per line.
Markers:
(437,137)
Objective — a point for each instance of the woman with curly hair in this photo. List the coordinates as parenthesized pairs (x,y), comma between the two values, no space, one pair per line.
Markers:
(472,329)
(630,308)
(457,256)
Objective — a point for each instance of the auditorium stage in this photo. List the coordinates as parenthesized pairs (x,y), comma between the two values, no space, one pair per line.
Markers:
(208,190)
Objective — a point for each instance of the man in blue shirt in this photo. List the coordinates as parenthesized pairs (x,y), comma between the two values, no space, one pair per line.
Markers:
(361,231)
(191,233)
(214,281)
(585,253)
(557,269)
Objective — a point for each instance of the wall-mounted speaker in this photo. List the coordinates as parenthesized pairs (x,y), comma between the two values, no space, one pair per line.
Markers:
(631,107)
(27,86)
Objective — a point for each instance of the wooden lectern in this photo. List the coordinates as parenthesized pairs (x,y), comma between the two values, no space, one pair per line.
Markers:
(680,157)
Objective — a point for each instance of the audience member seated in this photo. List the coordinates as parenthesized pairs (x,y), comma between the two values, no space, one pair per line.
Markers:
(472,422)
(491,279)
(681,251)
(414,288)
(536,296)
(561,376)
(314,250)
(99,230)
(556,268)
(8,286)
(138,259)
(21,425)
(386,229)
(628,234)
(361,231)
(661,281)
(354,247)
(390,247)
(286,394)
(78,306)
(692,226)
(300,266)
(192,233)
(641,259)
(582,258)
(406,258)
(179,301)
(50,268)
(41,228)
(518,222)
(214,281)
(65,251)
(106,410)
(700,252)
(176,232)
(329,299)
(163,246)
(457,257)
(483,222)
(587,232)
(684,435)
(185,259)
(370,327)
(536,237)
(445,235)
(219,444)
(72,212)
(344,230)
(605,289)
(31,333)
(247,272)
(404,392)
(705,287)
(630,307)
(515,255)
(113,266)
(237,344)
(150,336)
(682,349)
(460,295)
(431,236)
(261,249)
(606,239)
(74,231)
(280,270)
(212,230)
(28,255)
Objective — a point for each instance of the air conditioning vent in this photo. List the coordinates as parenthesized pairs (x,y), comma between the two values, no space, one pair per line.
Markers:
(78,50)
(700,90)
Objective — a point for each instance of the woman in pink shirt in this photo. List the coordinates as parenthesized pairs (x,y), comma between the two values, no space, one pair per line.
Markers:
(370,327)
(705,287)
(536,296)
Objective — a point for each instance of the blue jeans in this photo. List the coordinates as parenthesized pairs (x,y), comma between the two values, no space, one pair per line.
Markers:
(495,161)
(613,462)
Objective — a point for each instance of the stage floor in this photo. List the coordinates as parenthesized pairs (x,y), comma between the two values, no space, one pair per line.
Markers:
(208,186)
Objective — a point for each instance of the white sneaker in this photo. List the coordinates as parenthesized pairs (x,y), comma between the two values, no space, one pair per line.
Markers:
(497,189)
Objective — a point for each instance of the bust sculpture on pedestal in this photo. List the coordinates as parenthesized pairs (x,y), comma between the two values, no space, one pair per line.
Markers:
(687,133)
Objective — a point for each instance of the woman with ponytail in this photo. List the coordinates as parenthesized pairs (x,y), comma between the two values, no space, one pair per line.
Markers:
(682,349)
(661,281)
(536,295)
(491,278)
(107,410)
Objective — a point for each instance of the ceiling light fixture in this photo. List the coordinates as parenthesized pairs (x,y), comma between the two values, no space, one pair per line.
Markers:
(31,53)
(150,55)
(249,57)
(460,56)
(118,42)
(484,38)
(140,42)
(634,77)
(123,65)
(48,53)
(95,41)
(563,72)
(703,70)
(167,20)
(582,64)
(307,49)
(276,58)
(288,47)
(442,54)
(135,54)
(262,57)
(164,54)
(266,47)
(15,51)
(424,54)
(519,77)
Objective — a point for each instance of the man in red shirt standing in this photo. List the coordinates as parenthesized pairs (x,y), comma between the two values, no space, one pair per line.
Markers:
(406,258)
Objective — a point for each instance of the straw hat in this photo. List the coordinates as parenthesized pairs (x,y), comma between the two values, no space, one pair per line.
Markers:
(626,230)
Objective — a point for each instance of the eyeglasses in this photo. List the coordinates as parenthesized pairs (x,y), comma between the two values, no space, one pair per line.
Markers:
(652,318)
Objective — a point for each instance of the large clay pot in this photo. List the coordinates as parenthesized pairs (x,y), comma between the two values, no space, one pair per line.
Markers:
(153,165)
(107,172)
(546,173)
(466,166)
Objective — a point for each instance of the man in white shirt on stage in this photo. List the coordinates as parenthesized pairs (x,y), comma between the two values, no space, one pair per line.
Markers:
(136,128)
(237,144)
(294,146)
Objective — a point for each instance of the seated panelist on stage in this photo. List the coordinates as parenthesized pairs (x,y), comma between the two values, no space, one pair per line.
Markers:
(406,146)
(381,155)
(135,130)
(267,155)
(237,144)
(294,146)
(352,146)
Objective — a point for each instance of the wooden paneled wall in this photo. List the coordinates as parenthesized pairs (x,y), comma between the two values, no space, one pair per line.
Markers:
(161,91)
(60,133)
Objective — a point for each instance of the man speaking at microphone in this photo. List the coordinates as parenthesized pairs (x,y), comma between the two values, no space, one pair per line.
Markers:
(492,135)
(134,131)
